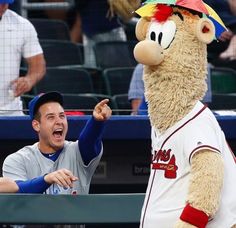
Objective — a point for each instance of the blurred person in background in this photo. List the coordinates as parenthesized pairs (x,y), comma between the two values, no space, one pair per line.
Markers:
(232,5)
(226,51)
(136,89)
(99,21)
(18,39)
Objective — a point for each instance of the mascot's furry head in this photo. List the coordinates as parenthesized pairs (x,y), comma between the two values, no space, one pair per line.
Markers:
(172,45)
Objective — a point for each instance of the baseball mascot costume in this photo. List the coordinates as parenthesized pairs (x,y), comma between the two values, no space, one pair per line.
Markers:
(193,171)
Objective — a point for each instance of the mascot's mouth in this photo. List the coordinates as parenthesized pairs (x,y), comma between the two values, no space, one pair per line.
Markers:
(169,44)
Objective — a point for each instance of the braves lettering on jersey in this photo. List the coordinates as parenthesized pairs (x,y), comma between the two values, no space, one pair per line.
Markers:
(170,168)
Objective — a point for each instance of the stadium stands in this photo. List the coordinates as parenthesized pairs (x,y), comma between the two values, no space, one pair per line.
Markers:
(62,53)
(115,54)
(51,29)
(223,80)
(117,80)
(65,81)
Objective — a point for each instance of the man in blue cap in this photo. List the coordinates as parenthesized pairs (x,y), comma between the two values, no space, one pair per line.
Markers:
(54,165)
(18,39)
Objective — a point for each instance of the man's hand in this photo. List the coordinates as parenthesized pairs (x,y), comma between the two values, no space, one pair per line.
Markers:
(7,185)
(226,35)
(123,8)
(36,71)
(232,5)
(62,177)
(102,111)
(22,85)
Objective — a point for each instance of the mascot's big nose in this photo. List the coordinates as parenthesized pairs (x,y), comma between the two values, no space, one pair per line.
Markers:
(148,53)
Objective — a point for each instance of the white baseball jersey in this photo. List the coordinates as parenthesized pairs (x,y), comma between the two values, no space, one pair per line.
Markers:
(170,170)
(29,162)
(17,38)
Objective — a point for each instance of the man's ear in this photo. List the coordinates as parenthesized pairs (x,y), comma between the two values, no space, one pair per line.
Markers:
(36,125)
(141,28)
(205,30)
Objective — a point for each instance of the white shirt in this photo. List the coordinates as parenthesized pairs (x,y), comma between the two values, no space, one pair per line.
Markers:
(18,39)
(170,170)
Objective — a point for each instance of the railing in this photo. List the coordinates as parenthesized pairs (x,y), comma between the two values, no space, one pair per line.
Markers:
(70,209)
(25,6)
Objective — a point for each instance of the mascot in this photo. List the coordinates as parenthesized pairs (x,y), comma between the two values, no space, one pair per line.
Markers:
(192,181)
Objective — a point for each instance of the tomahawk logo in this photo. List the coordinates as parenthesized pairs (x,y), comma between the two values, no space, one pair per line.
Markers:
(163,160)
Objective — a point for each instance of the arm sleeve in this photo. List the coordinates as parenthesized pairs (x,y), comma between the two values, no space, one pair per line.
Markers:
(136,87)
(143,108)
(36,185)
(90,140)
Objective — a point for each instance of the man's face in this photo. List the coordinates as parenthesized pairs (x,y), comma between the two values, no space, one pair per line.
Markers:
(52,127)
(3,8)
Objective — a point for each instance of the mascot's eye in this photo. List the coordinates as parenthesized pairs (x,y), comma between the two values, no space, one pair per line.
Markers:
(154,31)
(168,33)
(153,36)
(162,33)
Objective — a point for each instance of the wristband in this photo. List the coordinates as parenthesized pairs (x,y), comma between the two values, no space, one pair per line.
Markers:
(194,216)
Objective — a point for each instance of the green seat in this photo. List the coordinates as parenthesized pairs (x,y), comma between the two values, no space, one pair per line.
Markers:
(51,28)
(117,80)
(26,98)
(223,102)
(110,54)
(223,80)
(62,53)
(65,80)
(84,103)
(123,104)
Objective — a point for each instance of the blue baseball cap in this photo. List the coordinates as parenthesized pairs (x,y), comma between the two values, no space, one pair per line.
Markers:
(6,1)
(41,99)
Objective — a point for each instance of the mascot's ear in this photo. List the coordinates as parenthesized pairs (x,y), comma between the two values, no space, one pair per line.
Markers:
(205,30)
(141,28)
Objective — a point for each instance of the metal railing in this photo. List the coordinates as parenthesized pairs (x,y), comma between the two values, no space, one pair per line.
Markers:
(25,6)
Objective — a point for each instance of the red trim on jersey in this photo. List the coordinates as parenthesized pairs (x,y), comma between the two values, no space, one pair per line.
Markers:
(204,107)
(194,216)
(149,194)
(213,149)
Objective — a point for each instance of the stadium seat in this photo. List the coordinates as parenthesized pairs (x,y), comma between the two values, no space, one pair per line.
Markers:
(84,103)
(117,80)
(223,102)
(114,54)
(65,81)
(223,80)
(122,103)
(73,103)
(51,29)
(62,53)
(26,98)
